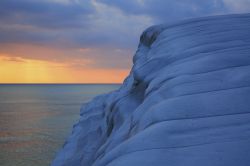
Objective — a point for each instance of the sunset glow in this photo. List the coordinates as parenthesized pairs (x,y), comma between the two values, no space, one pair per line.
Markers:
(19,70)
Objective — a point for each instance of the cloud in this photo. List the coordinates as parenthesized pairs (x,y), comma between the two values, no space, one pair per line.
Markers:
(91,58)
(98,23)
(104,31)
(45,14)
(69,23)
(12,59)
(169,10)
(108,29)
(239,6)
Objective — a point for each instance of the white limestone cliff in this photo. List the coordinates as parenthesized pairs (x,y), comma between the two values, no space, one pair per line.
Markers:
(186,101)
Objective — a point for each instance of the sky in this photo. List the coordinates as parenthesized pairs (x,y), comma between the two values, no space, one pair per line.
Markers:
(86,41)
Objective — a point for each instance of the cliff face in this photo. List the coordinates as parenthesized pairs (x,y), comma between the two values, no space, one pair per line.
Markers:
(185,102)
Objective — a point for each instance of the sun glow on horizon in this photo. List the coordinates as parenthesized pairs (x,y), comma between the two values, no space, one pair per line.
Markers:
(20,70)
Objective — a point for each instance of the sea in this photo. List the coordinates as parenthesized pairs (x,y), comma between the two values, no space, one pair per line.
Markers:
(36,119)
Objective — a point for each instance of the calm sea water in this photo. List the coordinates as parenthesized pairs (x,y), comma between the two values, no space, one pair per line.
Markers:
(35,120)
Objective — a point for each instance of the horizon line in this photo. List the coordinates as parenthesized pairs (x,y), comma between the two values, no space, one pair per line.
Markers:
(59,83)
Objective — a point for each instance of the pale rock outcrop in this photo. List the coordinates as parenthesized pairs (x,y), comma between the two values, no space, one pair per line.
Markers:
(186,101)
